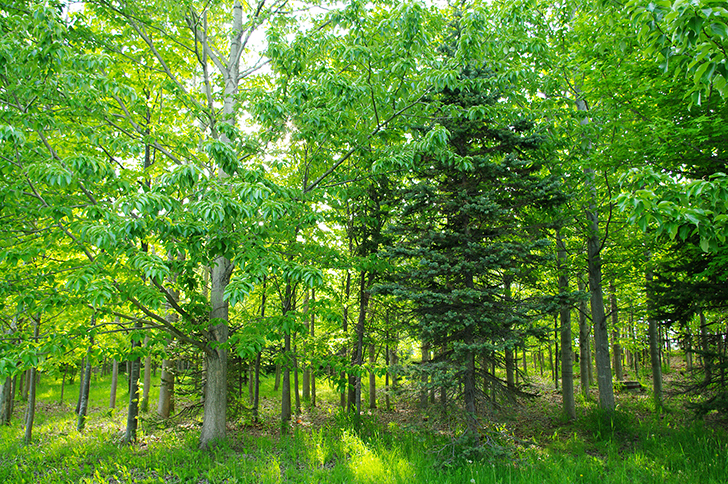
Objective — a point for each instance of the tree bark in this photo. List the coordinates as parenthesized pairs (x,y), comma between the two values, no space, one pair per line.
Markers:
(5,398)
(655,353)
(372,377)
(584,346)
(601,335)
(216,358)
(616,347)
(30,416)
(114,383)
(144,407)
(165,403)
(132,414)
(85,384)
(286,391)
(567,368)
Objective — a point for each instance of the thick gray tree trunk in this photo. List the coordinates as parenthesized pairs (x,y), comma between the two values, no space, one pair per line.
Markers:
(567,368)
(599,318)
(216,358)
(286,390)
(165,403)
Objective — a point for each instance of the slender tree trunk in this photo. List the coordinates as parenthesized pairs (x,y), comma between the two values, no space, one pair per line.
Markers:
(147,379)
(360,325)
(510,378)
(5,397)
(114,383)
(132,415)
(63,382)
(705,347)
(295,380)
(584,346)
(346,395)
(306,377)
(567,368)
(616,347)
(85,384)
(372,377)
(81,369)
(425,350)
(286,392)
(557,354)
(256,387)
(313,371)
(30,415)
(469,395)
(655,353)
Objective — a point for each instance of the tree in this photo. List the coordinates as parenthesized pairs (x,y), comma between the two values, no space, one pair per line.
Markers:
(465,230)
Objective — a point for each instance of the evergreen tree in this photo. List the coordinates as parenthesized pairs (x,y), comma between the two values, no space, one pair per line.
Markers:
(468,238)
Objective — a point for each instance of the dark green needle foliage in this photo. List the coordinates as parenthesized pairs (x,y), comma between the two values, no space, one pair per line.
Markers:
(468,236)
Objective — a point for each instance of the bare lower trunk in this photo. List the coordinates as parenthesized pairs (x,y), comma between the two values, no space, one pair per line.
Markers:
(30,415)
(147,379)
(216,358)
(5,398)
(114,383)
(584,347)
(132,416)
(567,368)
(616,347)
(165,404)
(372,378)
(655,354)
(469,396)
(85,387)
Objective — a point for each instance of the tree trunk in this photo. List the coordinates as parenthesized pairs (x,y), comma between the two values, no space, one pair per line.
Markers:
(616,347)
(510,378)
(81,369)
(256,387)
(114,383)
(5,398)
(567,368)
(165,403)
(144,407)
(655,353)
(372,377)
(63,382)
(286,392)
(705,347)
(295,380)
(584,346)
(313,371)
(469,396)
(85,384)
(601,336)
(216,358)
(346,394)
(132,415)
(30,415)
(425,350)
(306,377)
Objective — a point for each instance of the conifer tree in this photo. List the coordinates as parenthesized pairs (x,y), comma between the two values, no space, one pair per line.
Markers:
(468,235)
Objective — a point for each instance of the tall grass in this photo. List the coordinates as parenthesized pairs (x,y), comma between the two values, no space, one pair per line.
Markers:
(630,445)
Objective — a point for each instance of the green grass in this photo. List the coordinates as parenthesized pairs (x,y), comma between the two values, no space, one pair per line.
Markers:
(632,445)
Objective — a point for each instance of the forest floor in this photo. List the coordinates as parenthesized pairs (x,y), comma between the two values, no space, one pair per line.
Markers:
(531,442)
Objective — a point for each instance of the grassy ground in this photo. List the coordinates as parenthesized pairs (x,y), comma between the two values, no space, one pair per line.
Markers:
(634,444)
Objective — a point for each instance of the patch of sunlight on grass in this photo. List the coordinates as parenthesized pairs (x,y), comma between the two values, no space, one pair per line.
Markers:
(269,470)
(363,463)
